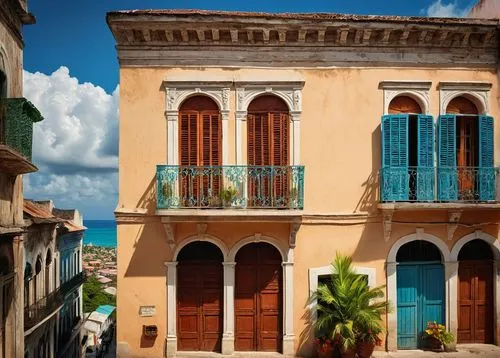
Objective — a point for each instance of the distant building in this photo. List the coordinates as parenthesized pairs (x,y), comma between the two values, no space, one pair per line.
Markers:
(486,9)
(17,116)
(99,327)
(53,280)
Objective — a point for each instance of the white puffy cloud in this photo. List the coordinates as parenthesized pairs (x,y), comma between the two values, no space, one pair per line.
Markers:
(446,9)
(76,145)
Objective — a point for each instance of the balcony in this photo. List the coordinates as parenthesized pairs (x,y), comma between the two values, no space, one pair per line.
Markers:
(233,190)
(42,310)
(73,283)
(17,116)
(448,187)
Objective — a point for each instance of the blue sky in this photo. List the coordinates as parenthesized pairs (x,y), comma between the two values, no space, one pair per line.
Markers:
(71,74)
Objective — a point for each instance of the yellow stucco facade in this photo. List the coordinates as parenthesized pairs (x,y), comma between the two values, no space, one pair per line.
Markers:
(337,140)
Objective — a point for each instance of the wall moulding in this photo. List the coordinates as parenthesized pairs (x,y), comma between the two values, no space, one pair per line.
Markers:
(477,92)
(418,90)
(178,91)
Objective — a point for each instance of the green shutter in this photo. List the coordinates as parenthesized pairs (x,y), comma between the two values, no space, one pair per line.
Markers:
(425,170)
(486,172)
(447,158)
(394,174)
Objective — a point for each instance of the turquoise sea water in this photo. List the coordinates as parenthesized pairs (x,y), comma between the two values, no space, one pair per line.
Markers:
(100,233)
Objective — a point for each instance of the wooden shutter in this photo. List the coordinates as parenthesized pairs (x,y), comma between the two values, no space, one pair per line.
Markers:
(395,183)
(486,171)
(447,158)
(188,138)
(211,135)
(279,122)
(425,158)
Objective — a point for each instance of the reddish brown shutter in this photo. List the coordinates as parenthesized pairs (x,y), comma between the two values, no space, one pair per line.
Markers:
(212,138)
(280,138)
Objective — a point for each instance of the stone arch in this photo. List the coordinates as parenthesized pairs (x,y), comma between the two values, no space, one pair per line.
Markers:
(494,243)
(417,96)
(5,69)
(253,239)
(252,95)
(179,101)
(445,252)
(478,99)
(204,237)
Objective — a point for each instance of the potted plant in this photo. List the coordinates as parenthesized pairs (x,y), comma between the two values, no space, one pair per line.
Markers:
(348,308)
(324,347)
(166,189)
(228,195)
(367,340)
(433,334)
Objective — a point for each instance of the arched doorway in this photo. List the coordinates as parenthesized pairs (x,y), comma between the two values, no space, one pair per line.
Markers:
(268,147)
(48,261)
(475,293)
(37,281)
(200,144)
(420,291)
(258,298)
(199,297)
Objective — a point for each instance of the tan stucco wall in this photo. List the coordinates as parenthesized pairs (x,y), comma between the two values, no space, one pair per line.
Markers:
(340,148)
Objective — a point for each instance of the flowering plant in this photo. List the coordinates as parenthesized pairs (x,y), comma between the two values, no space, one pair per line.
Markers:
(438,332)
(323,344)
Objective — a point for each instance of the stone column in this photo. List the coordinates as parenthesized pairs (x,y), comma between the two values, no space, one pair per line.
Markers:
(295,137)
(241,117)
(228,333)
(451,295)
(288,293)
(392,317)
(172,137)
(225,137)
(171,344)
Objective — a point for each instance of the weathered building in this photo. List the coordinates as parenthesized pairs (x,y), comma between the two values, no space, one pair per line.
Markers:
(486,9)
(255,146)
(16,120)
(52,281)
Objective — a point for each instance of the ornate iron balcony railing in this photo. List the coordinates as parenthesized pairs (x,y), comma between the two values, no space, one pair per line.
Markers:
(74,282)
(17,116)
(439,184)
(45,306)
(230,186)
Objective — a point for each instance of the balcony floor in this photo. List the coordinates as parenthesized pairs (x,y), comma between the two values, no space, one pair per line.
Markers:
(14,163)
(414,206)
(231,215)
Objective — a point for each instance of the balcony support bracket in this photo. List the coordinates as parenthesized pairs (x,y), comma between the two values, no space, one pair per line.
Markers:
(170,232)
(453,220)
(294,227)
(387,223)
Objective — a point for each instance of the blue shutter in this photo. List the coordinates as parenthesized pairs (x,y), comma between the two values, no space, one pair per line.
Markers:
(407,300)
(486,172)
(432,296)
(394,173)
(425,170)
(447,158)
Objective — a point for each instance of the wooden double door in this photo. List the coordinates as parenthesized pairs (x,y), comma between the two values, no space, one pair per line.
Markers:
(475,302)
(199,305)
(258,299)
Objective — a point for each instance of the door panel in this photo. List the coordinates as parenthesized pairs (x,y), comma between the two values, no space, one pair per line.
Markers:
(407,296)
(258,298)
(199,306)
(475,302)
(420,297)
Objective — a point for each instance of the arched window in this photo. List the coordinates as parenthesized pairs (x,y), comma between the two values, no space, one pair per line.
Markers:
(404,105)
(37,280)
(28,275)
(200,144)
(268,151)
(47,276)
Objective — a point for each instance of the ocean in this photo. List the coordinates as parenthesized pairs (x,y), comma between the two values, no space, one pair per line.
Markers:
(100,233)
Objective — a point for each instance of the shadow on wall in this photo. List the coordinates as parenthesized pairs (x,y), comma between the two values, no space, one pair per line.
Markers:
(149,252)
(369,199)
(306,344)
(148,199)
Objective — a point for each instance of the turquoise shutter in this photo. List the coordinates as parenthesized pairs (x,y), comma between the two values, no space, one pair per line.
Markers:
(486,172)
(394,174)
(447,158)
(425,170)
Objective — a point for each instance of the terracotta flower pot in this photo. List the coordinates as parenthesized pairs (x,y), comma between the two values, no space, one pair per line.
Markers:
(365,349)
(324,353)
(450,347)
(348,353)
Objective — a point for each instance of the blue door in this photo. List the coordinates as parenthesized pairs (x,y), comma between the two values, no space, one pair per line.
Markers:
(420,299)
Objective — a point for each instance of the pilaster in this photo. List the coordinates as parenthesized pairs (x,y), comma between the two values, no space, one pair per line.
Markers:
(171,341)
(228,332)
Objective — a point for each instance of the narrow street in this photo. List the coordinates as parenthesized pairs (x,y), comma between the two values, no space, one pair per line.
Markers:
(463,351)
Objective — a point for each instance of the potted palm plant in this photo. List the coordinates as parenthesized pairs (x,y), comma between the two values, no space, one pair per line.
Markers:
(228,195)
(349,311)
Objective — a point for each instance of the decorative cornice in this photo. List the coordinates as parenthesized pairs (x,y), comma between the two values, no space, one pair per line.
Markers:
(161,38)
(465,85)
(405,85)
